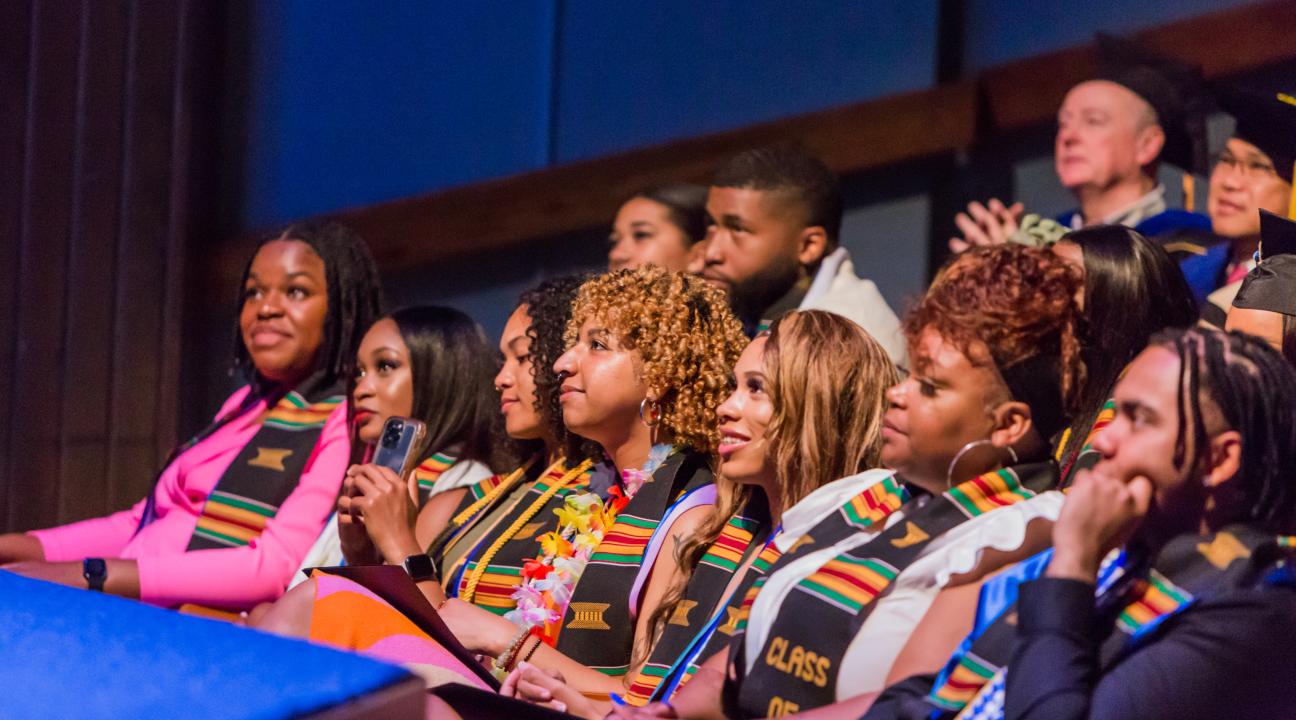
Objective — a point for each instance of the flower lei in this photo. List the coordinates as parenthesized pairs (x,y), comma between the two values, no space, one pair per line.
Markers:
(549,580)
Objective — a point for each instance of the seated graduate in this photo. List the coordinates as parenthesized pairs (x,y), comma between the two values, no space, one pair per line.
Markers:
(996,366)
(1265,305)
(423,363)
(806,410)
(649,355)
(337,611)
(236,507)
(1192,618)
(664,226)
(774,245)
(1253,173)
(1122,270)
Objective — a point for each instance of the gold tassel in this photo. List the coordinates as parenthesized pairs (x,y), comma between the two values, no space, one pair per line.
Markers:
(1188,191)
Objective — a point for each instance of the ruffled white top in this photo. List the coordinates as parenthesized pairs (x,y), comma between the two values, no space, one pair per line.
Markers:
(874,649)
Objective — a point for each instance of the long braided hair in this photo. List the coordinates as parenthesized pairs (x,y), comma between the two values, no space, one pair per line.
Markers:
(1254,389)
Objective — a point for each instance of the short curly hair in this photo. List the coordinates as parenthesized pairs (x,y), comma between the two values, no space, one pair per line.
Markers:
(686,335)
(1019,301)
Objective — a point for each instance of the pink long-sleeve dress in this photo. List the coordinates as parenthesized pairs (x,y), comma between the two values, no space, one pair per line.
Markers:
(235,578)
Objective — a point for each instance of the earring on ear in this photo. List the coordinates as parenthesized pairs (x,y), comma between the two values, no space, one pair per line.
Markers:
(949,472)
(650,412)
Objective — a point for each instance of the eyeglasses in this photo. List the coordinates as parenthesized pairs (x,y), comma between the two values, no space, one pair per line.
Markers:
(1251,169)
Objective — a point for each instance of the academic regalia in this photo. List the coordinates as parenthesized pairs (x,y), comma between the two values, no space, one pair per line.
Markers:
(1269,123)
(1174,90)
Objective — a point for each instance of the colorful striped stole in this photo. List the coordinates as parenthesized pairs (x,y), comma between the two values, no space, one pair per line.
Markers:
(1188,568)
(502,572)
(429,471)
(597,627)
(703,598)
(265,472)
(822,613)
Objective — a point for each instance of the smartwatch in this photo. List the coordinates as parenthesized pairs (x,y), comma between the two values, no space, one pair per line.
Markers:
(420,567)
(95,571)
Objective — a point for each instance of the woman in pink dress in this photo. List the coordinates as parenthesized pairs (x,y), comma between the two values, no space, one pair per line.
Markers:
(235,509)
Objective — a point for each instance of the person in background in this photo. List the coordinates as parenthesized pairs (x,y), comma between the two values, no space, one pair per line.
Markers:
(1113,132)
(236,508)
(773,244)
(664,226)
(1253,173)
(1265,305)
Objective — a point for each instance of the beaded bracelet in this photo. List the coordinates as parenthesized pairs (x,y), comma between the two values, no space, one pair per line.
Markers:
(532,651)
(503,661)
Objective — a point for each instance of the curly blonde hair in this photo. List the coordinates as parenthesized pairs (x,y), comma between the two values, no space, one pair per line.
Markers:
(686,335)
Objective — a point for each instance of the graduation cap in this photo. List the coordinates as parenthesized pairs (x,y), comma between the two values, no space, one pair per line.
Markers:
(1268,121)
(1174,89)
(1272,284)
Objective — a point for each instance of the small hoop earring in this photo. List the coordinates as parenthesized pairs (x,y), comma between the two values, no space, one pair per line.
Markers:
(650,412)
(949,472)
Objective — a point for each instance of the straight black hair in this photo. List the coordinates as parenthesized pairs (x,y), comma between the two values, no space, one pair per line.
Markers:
(685,204)
(452,367)
(1132,291)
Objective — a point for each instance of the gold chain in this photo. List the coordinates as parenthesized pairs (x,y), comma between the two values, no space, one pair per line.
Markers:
(470,589)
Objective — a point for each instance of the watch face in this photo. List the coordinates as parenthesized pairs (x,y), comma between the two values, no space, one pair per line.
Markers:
(96,567)
(420,567)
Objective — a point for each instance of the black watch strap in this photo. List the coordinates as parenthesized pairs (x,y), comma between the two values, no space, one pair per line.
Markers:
(95,572)
(420,567)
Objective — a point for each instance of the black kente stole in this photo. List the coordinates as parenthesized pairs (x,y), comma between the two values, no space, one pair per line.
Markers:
(502,572)
(482,497)
(798,666)
(265,471)
(745,533)
(1134,603)
(597,629)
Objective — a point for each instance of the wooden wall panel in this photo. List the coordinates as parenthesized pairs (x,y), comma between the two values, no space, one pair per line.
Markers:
(49,167)
(94,176)
(91,273)
(16,19)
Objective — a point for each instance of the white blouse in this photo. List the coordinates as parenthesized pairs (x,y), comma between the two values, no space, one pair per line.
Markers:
(874,649)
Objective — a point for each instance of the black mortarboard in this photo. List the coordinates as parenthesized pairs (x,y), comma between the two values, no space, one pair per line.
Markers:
(1174,89)
(1268,121)
(1272,284)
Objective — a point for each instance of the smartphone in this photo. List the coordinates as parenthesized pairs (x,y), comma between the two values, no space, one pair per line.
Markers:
(399,445)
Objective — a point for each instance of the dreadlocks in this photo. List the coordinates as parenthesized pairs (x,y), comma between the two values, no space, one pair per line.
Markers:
(1254,390)
(354,294)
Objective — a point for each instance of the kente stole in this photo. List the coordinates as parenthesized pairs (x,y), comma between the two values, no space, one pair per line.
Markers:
(798,667)
(266,471)
(482,497)
(428,471)
(1087,456)
(597,629)
(503,572)
(703,598)
(1135,600)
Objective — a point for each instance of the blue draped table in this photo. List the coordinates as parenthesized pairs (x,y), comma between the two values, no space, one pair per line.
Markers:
(69,653)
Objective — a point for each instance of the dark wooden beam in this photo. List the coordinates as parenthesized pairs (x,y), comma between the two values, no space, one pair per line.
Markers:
(1028,92)
(421,230)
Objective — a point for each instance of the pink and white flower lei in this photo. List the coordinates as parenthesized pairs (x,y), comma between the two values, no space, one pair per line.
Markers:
(549,580)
